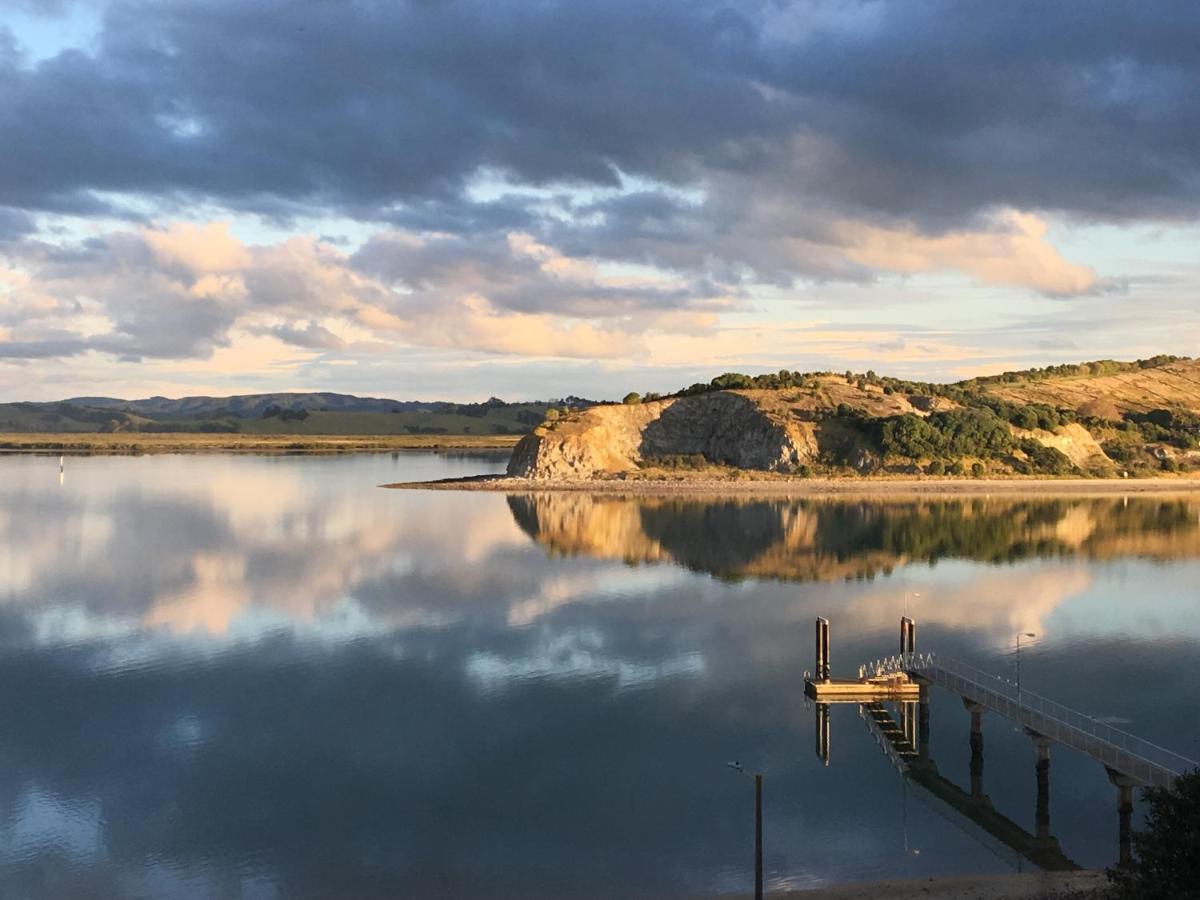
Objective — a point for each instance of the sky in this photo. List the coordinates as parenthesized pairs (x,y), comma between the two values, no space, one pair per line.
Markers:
(449,199)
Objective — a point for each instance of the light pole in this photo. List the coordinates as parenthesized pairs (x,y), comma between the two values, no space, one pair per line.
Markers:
(1021,634)
(758,837)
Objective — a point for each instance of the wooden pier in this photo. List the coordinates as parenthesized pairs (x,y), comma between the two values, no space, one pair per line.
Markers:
(898,685)
(865,690)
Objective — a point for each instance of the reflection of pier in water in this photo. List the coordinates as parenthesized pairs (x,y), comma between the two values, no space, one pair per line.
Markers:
(1128,760)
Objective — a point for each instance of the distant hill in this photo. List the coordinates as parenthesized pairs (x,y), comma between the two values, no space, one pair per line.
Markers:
(1099,418)
(319,413)
(250,405)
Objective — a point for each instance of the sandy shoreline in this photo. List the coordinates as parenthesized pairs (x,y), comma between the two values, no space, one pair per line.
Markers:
(1027,886)
(817,487)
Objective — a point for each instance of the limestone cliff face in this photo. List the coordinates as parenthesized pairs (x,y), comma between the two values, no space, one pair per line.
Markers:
(1074,441)
(725,427)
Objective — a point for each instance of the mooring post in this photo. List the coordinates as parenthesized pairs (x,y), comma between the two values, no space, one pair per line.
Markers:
(821,663)
(909,714)
(908,635)
(822,732)
(758,838)
(923,722)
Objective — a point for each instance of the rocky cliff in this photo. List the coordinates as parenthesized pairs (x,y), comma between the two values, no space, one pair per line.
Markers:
(723,427)
(763,430)
(834,425)
(825,540)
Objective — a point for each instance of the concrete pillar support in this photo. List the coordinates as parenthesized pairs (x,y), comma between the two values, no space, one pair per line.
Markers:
(1124,785)
(1042,744)
(976,711)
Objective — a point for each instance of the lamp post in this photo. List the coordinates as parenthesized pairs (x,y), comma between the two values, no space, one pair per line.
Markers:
(758,831)
(1021,634)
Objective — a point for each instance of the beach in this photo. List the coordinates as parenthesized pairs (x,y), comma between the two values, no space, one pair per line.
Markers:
(811,487)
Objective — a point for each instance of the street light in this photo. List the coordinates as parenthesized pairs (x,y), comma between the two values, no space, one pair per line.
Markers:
(758,866)
(1021,634)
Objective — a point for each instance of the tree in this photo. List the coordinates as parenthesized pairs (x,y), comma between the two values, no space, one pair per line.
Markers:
(731,380)
(911,436)
(632,398)
(1166,864)
(1045,459)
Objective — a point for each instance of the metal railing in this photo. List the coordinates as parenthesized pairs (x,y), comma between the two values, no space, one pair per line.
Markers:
(1119,750)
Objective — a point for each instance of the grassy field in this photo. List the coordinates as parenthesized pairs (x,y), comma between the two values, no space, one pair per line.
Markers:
(1173,386)
(515,418)
(500,421)
(130,442)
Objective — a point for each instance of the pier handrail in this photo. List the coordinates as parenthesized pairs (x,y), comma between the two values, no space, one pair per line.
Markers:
(1133,756)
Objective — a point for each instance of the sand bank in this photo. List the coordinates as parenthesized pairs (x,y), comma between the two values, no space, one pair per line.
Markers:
(814,487)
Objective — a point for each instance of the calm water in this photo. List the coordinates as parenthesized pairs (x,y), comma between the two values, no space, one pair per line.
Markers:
(265,677)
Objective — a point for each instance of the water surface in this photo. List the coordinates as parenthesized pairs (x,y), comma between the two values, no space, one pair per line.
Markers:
(265,677)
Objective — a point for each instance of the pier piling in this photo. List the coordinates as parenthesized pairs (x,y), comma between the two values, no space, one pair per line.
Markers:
(821,668)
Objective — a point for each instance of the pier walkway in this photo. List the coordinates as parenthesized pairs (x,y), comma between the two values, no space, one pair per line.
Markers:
(1119,751)
(972,813)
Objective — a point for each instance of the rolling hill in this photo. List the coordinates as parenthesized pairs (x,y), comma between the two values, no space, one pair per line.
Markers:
(1100,418)
(278,413)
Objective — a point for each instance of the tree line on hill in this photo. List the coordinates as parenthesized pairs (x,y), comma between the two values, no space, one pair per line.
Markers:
(964,440)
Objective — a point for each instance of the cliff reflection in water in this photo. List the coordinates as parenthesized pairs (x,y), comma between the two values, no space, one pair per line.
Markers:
(823,539)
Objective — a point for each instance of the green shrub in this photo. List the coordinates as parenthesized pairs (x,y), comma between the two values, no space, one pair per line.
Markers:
(676,461)
(632,398)
(1046,460)
(1166,864)
(956,432)
(978,469)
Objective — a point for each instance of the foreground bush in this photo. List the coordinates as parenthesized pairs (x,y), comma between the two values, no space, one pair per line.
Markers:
(1166,862)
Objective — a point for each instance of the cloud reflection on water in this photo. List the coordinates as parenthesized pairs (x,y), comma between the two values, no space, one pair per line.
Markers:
(269,675)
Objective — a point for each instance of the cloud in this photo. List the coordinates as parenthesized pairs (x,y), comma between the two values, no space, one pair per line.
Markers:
(207,249)
(929,112)
(582,180)
(185,291)
(1014,253)
(15,223)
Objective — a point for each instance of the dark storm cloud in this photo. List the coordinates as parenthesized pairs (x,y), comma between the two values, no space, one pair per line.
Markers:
(928,111)
(14,223)
(43,349)
(360,104)
(516,274)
